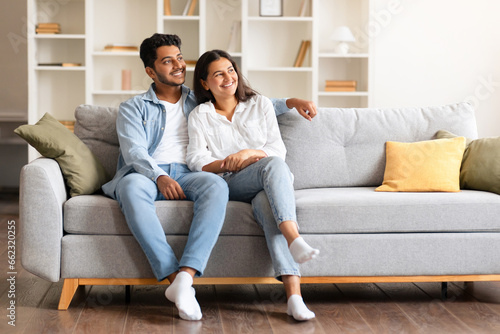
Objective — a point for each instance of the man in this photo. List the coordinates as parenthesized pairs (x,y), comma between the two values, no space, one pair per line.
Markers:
(152,131)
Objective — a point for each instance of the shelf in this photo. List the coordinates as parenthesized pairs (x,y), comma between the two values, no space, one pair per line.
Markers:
(115,53)
(181,18)
(337,55)
(281,18)
(12,118)
(59,36)
(12,141)
(280,69)
(60,68)
(118,92)
(323,93)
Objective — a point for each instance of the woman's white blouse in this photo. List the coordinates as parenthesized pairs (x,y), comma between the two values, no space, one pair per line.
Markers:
(213,137)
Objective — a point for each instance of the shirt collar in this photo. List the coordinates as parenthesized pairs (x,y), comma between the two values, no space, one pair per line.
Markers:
(241,106)
(150,95)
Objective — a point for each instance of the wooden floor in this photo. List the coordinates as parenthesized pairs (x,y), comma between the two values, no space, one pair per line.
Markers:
(340,308)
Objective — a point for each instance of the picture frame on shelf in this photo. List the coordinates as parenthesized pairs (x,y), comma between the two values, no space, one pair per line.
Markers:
(271,7)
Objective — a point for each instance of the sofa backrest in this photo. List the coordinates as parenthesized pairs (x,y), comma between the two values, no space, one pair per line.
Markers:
(340,147)
(346,147)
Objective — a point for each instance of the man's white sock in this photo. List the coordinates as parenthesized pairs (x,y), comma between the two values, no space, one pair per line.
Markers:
(297,309)
(182,294)
(301,251)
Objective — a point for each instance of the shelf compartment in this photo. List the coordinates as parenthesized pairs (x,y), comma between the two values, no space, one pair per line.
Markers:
(108,73)
(70,14)
(291,9)
(189,32)
(59,93)
(178,7)
(280,48)
(343,69)
(277,84)
(354,14)
(116,29)
(50,50)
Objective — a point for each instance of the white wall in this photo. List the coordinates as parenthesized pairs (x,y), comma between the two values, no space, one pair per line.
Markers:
(428,52)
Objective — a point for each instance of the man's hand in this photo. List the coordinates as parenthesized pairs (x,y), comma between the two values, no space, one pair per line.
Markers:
(306,108)
(170,189)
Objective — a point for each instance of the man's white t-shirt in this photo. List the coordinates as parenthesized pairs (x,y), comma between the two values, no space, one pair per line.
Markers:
(173,145)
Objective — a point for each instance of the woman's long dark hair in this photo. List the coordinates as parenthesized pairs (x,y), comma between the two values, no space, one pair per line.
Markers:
(243,91)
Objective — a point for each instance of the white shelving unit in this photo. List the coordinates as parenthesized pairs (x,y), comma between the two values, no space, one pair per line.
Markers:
(265,48)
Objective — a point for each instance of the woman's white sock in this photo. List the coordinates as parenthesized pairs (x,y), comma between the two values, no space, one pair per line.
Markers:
(182,294)
(297,309)
(301,251)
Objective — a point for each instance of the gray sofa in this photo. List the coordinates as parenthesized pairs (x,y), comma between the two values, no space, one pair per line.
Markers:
(337,159)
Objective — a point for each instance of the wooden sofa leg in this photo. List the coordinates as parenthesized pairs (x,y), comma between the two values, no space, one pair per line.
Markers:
(68,291)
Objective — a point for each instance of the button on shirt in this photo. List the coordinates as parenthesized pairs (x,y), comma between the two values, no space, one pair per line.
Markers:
(213,137)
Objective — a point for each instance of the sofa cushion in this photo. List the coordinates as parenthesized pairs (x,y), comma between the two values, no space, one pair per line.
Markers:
(96,127)
(348,148)
(82,171)
(480,164)
(96,214)
(323,210)
(429,165)
(362,210)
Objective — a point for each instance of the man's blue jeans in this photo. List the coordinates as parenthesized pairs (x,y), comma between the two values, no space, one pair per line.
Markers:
(268,185)
(136,195)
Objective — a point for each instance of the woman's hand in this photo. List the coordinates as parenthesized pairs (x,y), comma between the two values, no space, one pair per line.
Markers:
(237,161)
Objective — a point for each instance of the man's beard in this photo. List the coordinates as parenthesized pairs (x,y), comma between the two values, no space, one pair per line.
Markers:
(164,80)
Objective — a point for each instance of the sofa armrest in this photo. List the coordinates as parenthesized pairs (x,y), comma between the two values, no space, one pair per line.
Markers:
(42,195)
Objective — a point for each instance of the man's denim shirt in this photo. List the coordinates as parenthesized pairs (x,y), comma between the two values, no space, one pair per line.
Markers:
(140,125)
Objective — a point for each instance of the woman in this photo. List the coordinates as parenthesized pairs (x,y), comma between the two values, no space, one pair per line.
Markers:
(234,133)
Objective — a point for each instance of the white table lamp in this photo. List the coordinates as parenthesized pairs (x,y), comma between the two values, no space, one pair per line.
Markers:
(343,35)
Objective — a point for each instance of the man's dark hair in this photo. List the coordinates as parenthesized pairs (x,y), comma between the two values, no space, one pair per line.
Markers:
(149,46)
(243,91)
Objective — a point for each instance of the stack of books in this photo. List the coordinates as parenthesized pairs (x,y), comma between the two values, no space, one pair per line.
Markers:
(340,86)
(48,28)
(120,48)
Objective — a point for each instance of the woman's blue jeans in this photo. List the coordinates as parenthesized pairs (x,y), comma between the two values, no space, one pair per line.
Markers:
(136,195)
(268,185)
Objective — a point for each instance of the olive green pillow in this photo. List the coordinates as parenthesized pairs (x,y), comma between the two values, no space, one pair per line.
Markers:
(83,173)
(481,163)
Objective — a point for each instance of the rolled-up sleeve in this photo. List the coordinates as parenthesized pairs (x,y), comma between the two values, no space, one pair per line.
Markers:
(280,106)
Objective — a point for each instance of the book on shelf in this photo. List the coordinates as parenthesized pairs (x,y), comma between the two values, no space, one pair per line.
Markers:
(190,7)
(340,89)
(340,83)
(234,37)
(120,48)
(303,8)
(48,28)
(60,64)
(70,125)
(299,60)
(167,9)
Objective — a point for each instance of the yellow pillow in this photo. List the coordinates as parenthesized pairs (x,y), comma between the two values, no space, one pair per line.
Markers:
(432,165)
